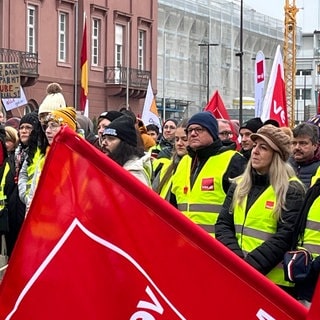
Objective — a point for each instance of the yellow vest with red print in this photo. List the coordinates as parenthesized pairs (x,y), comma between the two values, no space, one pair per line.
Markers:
(311,237)
(257,226)
(203,202)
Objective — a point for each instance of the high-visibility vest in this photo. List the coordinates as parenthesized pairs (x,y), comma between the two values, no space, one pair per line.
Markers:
(315,177)
(3,197)
(167,186)
(31,169)
(202,203)
(311,237)
(257,226)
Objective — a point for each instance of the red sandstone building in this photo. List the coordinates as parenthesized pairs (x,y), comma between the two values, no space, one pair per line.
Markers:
(45,37)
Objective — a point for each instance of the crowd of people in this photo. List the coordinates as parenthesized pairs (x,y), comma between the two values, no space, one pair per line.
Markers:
(253,186)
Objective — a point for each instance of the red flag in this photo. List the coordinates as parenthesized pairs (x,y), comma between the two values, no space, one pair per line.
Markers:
(217,107)
(84,69)
(274,104)
(98,242)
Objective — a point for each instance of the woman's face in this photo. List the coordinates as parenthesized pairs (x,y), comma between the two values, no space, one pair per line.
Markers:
(10,145)
(169,130)
(24,132)
(261,156)
(181,142)
(52,128)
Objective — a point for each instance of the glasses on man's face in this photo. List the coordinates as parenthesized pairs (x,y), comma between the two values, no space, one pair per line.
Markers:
(197,130)
(27,127)
(226,133)
(53,126)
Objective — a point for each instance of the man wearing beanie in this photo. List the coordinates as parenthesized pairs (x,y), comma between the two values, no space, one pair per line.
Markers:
(120,143)
(247,128)
(104,119)
(201,181)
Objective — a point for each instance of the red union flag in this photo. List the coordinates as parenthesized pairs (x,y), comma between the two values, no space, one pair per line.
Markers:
(274,103)
(259,76)
(98,244)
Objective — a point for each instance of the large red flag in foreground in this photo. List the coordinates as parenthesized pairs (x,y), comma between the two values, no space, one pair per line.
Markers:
(98,244)
(274,103)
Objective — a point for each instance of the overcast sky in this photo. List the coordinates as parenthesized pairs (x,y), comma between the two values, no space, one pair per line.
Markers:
(308,17)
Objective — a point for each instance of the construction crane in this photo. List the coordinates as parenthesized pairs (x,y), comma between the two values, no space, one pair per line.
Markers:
(289,59)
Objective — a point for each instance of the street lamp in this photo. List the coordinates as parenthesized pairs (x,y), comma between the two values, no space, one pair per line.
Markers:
(208,45)
(240,55)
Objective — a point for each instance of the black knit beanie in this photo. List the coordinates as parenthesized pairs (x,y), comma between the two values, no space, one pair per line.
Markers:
(122,128)
(253,125)
(31,118)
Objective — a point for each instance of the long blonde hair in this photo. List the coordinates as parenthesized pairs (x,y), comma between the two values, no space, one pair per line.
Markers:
(279,174)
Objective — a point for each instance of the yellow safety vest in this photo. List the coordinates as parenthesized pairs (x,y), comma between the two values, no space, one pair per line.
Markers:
(311,237)
(257,226)
(315,177)
(3,197)
(31,169)
(167,186)
(203,202)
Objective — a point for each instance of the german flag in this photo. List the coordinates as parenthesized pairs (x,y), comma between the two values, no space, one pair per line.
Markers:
(84,69)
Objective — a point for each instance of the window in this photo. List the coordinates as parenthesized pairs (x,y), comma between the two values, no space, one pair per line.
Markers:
(95,40)
(62,31)
(141,49)
(119,46)
(31,29)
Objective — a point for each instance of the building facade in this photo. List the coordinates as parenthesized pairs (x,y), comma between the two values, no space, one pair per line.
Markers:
(308,76)
(45,37)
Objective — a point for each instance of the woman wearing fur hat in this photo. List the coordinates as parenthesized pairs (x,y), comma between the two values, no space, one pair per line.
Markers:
(120,143)
(53,124)
(258,217)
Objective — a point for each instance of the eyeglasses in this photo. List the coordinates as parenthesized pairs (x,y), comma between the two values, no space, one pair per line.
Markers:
(226,133)
(197,130)
(53,126)
(26,127)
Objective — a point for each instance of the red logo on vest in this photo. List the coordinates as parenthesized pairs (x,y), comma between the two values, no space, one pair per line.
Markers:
(207,184)
(269,204)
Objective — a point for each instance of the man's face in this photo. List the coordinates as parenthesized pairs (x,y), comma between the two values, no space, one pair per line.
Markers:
(153,135)
(101,126)
(225,132)
(109,144)
(246,142)
(198,137)
(303,149)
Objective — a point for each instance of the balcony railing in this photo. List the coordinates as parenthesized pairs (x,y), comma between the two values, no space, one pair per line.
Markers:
(138,79)
(28,61)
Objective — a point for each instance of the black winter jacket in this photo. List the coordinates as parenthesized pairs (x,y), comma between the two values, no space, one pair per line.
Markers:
(265,257)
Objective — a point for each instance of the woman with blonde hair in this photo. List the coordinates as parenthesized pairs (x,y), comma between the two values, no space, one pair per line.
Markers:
(258,217)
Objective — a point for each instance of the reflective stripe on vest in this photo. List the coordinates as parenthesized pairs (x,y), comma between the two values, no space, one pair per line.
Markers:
(31,169)
(311,237)
(203,202)
(3,182)
(257,226)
